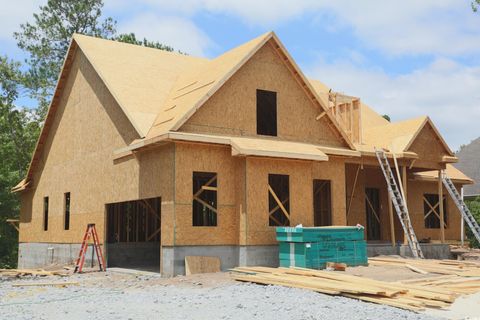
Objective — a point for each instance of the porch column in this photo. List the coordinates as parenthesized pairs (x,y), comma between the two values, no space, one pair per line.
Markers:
(440,205)
(392,225)
(404,184)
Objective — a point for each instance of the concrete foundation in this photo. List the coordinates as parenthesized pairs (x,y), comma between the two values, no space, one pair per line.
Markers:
(173,258)
(430,250)
(35,255)
(134,255)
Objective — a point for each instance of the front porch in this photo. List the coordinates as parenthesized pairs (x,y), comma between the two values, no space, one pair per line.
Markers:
(367,203)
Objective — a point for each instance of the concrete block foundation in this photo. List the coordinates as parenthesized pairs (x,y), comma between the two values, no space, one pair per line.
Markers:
(430,250)
(36,255)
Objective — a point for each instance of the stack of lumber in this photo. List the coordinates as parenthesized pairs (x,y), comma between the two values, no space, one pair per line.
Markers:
(410,296)
(31,272)
(457,284)
(445,267)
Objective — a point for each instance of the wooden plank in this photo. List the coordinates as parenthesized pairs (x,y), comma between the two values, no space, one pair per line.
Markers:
(209,188)
(36,284)
(205,204)
(392,224)
(279,203)
(201,264)
(415,269)
(353,190)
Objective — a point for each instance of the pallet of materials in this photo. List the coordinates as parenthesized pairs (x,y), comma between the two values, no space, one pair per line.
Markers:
(413,295)
(313,247)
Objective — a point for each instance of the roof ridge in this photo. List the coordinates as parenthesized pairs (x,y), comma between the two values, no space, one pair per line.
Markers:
(138,46)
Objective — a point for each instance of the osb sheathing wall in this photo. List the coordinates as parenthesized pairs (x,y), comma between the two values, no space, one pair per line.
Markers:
(429,150)
(301,175)
(205,158)
(78,158)
(243,194)
(232,109)
(415,205)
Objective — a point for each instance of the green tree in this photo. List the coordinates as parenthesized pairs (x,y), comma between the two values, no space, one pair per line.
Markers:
(47,38)
(131,38)
(474,206)
(19,130)
(386,117)
(475,5)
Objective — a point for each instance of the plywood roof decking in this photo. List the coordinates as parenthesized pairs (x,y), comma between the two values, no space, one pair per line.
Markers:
(139,78)
(158,91)
(452,172)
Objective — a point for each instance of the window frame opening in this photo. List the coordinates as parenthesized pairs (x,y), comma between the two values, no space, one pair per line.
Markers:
(278,200)
(267,124)
(204,199)
(66,210)
(431,212)
(45,213)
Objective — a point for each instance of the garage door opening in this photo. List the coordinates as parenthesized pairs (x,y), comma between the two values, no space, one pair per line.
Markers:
(133,234)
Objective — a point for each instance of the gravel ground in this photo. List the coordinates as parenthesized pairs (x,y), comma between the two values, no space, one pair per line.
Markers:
(130,296)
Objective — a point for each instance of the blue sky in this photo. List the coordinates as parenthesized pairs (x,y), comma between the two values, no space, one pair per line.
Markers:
(404,58)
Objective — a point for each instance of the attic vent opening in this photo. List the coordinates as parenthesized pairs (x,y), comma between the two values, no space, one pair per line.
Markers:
(266,112)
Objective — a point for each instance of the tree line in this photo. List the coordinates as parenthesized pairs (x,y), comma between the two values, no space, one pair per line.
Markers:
(44,40)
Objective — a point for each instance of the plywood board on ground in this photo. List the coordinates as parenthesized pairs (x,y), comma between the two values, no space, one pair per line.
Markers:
(201,264)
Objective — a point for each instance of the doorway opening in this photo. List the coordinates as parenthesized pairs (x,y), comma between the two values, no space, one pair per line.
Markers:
(372,204)
(133,234)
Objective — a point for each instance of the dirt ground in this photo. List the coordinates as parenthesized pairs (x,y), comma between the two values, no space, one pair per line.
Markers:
(131,294)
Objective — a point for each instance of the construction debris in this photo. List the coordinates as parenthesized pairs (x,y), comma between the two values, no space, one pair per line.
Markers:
(414,295)
(31,272)
(337,266)
(35,284)
(448,267)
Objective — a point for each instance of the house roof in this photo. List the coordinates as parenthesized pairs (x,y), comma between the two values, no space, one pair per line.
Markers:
(139,78)
(453,173)
(377,132)
(158,91)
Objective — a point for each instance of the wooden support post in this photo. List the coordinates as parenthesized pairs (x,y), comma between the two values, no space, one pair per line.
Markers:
(405,192)
(440,204)
(392,225)
(353,190)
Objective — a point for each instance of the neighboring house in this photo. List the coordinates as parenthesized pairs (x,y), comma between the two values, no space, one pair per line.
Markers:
(172,155)
(469,162)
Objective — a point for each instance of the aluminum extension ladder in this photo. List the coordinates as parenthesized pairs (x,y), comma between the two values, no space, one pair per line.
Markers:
(462,207)
(399,204)
(91,232)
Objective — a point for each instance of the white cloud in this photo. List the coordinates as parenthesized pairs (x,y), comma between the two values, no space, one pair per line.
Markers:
(177,32)
(395,27)
(444,90)
(13,13)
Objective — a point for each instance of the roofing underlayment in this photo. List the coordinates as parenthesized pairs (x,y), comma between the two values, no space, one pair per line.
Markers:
(158,91)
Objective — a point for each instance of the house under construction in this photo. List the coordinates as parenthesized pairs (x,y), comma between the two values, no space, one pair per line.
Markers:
(172,155)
